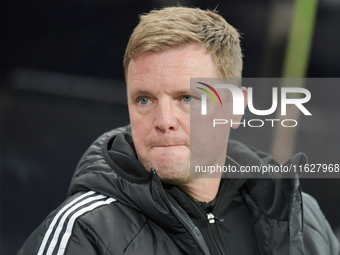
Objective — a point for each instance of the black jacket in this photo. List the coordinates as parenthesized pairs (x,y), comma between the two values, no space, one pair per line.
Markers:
(116,207)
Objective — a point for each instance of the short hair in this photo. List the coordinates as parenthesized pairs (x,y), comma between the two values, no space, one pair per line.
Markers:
(170,27)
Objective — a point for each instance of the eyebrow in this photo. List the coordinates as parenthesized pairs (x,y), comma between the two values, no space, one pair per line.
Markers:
(140,92)
(182,92)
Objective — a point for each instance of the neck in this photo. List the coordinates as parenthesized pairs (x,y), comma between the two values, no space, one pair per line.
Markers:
(202,189)
(205,189)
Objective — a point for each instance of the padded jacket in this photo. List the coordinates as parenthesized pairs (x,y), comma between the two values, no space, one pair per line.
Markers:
(115,206)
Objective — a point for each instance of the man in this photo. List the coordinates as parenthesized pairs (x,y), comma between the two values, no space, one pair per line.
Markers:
(132,192)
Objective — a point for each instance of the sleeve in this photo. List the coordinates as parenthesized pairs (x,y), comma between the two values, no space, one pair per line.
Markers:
(318,235)
(79,243)
(62,232)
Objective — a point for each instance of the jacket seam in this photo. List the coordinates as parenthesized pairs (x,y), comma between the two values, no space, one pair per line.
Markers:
(93,232)
(81,222)
(313,228)
(131,219)
(134,237)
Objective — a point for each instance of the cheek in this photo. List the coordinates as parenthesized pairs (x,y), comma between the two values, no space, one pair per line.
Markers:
(138,122)
(204,136)
(185,122)
(140,128)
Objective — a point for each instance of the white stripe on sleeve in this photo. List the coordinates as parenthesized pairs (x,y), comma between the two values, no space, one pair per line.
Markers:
(55,219)
(70,224)
(63,219)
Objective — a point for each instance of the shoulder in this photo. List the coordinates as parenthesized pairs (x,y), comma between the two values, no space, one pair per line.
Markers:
(313,216)
(318,235)
(86,222)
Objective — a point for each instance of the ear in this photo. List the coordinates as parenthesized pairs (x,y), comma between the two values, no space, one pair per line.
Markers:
(237,118)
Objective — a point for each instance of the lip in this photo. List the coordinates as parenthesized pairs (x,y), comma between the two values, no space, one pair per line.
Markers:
(167,145)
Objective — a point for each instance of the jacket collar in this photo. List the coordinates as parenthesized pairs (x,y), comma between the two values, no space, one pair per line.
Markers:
(110,167)
(101,169)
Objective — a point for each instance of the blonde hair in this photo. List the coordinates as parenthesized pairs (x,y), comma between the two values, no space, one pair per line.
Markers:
(169,27)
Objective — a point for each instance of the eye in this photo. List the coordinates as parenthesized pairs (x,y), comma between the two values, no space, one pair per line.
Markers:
(187,98)
(143,100)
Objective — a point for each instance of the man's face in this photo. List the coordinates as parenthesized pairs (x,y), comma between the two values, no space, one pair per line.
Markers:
(158,86)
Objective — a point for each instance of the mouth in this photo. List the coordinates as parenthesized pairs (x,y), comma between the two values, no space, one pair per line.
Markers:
(166,145)
(168,142)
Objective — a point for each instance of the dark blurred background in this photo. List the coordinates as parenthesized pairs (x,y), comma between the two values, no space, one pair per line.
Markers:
(62,85)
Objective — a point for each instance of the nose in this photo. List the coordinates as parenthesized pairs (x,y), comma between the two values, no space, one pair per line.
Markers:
(166,118)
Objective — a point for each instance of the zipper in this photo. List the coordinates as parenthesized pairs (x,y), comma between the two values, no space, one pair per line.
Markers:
(182,219)
(211,219)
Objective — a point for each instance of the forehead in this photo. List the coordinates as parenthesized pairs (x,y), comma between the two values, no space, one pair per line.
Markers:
(176,65)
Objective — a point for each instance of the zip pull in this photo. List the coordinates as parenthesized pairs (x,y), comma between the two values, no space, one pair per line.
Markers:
(211,218)
(153,171)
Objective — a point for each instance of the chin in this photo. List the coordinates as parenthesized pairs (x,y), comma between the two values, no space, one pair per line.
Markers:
(174,174)
(176,181)
(172,169)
